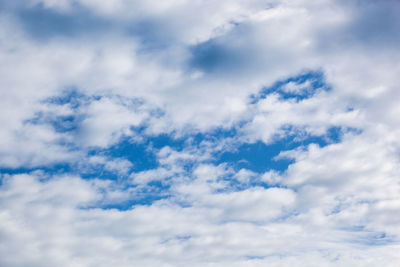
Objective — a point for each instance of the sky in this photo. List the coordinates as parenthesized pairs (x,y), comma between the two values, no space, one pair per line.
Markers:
(199,133)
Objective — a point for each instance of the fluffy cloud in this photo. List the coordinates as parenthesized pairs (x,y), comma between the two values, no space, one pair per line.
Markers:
(118,118)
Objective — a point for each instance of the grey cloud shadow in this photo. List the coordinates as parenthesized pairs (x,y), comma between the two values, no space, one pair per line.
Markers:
(224,54)
(373,25)
(43,23)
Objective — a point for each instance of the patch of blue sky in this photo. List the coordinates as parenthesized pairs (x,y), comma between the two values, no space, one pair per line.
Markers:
(96,171)
(257,157)
(70,96)
(308,83)
(148,200)
(46,170)
(67,168)
(140,154)
(261,157)
(60,123)
(66,123)
(146,147)
(75,100)
(57,168)
(143,152)
(130,204)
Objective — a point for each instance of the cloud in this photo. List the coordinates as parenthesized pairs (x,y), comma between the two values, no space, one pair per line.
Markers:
(229,133)
(46,224)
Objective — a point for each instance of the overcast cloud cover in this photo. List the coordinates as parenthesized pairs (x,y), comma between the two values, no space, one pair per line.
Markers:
(199,133)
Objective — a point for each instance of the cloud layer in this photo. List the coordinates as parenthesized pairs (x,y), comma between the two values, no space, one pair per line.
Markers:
(203,133)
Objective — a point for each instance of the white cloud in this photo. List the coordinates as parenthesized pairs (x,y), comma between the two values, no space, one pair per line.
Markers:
(43,224)
(106,121)
(120,166)
(188,67)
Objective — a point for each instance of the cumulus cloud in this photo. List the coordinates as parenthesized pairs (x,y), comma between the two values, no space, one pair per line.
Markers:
(204,133)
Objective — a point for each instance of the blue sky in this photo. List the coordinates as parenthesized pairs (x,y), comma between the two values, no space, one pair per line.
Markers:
(202,133)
